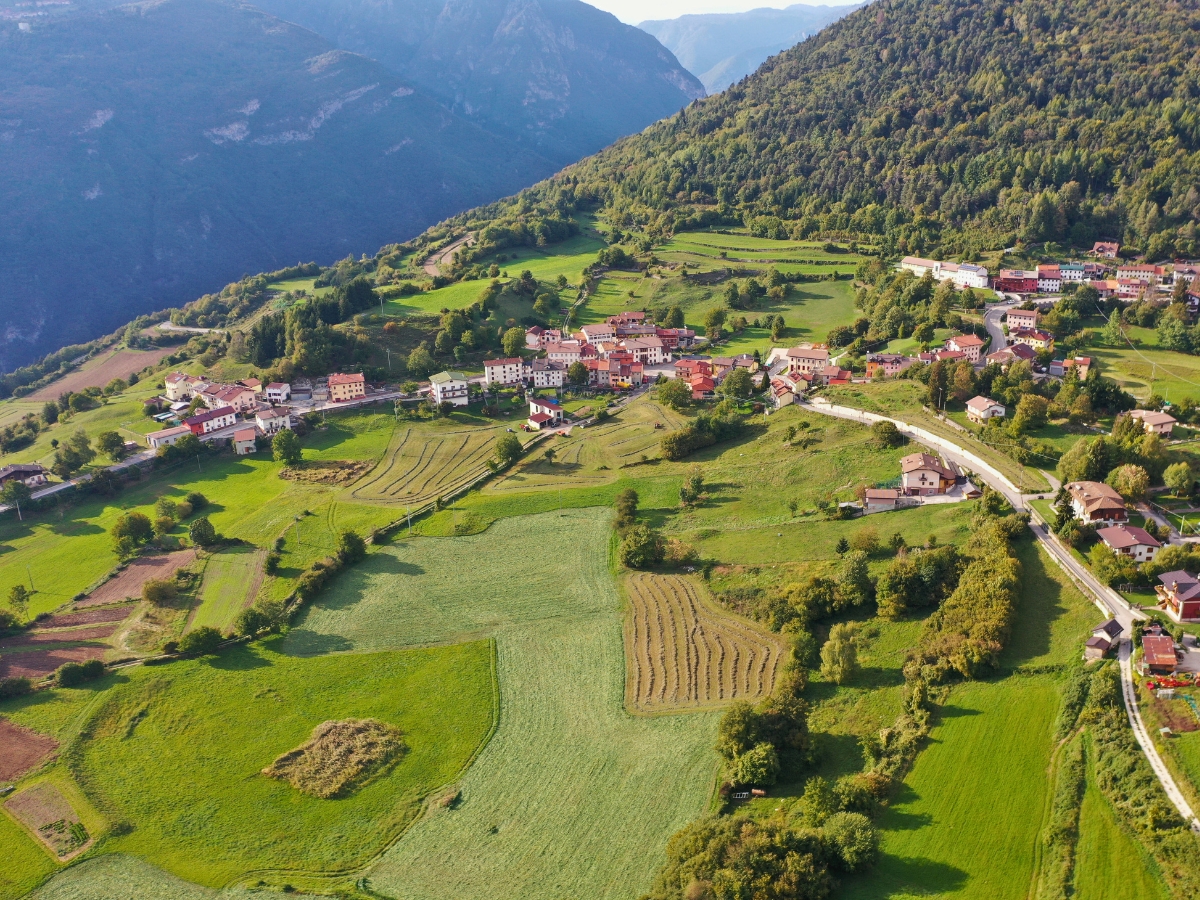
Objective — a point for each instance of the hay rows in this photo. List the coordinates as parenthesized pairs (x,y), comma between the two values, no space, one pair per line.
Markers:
(419,468)
(681,653)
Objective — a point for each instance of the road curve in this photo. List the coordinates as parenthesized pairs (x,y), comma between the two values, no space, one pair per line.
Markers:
(1108,600)
(433,265)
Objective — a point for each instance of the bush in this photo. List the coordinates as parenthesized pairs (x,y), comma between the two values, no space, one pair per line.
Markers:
(839,656)
(854,838)
(135,526)
(202,532)
(627,506)
(272,564)
(351,547)
(72,674)
(196,500)
(14,687)
(285,447)
(704,431)
(757,766)
(641,548)
(887,435)
(159,591)
(204,641)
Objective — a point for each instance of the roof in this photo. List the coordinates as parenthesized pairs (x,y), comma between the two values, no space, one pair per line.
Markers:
(339,378)
(508,361)
(1186,586)
(885,357)
(702,383)
(28,468)
(1022,274)
(548,404)
(915,461)
(918,261)
(1018,351)
(250,382)
(153,435)
(244,434)
(967,340)
(273,412)
(541,418)
(1049,271)
(1159,650)
(1033,333)
(207,415)
(1152,418)
(982,403)
(1098,643)
(1095,495)
(1120,537)
(276,385)
(1023,313)
(1112,628)
(447,377)
(808,353)
(882,494)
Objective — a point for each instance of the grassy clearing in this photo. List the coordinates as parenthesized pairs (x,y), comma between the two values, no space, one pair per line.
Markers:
(1146,370)
(231,579)
(564,741)
(177,752)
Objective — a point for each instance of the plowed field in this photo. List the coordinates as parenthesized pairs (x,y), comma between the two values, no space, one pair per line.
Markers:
(128,582)
(422,464)
(681,654)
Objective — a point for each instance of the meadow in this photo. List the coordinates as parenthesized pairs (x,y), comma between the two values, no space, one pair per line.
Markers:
(572,796)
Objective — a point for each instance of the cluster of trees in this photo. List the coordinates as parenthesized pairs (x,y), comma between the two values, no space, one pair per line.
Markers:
(238,299)
(643,547)
(706,429)
(1092,459)
(918,579)
(304,332)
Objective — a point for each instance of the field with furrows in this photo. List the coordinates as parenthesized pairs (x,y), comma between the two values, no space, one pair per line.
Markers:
(426,462)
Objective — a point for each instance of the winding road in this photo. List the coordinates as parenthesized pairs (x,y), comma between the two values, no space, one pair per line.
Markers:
(433,265)
(1109,601)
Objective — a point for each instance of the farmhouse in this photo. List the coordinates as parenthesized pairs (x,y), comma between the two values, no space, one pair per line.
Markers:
(167,436)
(29,474)
(1158,653)
(1106,249)
(1159,423)
(969,344)
(1179,595)
(880,499)
(1130,541)
(980,409)
(803,360)
(1094,502)
(278,392)
(1022,318)
(243,441)
(922,474)
(346,387)
(449,387)
(273,419)
(503,371)
(211,420)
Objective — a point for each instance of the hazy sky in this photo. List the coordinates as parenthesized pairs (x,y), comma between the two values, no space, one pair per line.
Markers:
(634,11)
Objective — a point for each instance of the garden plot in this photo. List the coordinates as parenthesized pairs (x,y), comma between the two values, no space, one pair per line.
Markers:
(425,463)
(37,664)
(127,583)
(47,813)
(21,749)
(681,654)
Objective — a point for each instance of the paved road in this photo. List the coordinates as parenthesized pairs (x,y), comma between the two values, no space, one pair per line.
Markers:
(432,265)
(991,320)
(1108,600)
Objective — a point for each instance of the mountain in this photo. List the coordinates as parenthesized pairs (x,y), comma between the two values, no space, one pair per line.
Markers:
(723,48)
(151,152)
(930,126)
(560,76)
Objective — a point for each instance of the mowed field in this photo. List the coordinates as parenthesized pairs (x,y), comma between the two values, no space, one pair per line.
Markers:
(573,797)
(681,653)
(100,370)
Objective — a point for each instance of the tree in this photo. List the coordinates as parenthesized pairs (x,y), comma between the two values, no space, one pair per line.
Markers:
(842,547)
(641,548)
(855,838)
(16,492)
(692,487)
(112,444)
(285,447)
(1032,412)
(757,766)
(854,580)
(740,728)
(420,361)
(159,591)
(135,526)
(1130,481)
(202,641)
(508,451)
(627,508)
(866,540)
(887,435)
(513,341)
(550,454)
(72,455)
(1112,334)
(196,500)
(839,656)
(675,393)
(674,318)
(738,384)
(577,373)
(713,320)
(351,547)
(1178,478)
(18,598)
(202,532)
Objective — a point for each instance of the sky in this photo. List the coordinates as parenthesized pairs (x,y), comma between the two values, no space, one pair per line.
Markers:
(635,11)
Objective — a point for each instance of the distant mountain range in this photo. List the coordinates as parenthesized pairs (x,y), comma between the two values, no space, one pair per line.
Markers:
(723,48)
(155,151)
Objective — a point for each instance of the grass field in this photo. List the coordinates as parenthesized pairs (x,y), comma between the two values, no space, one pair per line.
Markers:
(231,579)
(1147,369)
(177,751)
(572,797)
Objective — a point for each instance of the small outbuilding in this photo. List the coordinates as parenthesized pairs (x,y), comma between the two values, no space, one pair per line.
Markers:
(243,441)
(1158,652)
(880,499)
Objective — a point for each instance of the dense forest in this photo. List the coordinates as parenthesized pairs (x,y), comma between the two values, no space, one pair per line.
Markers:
(938,126)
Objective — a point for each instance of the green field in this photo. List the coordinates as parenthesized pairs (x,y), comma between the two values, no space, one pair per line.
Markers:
(565,742)
(231,579)
(1147,369)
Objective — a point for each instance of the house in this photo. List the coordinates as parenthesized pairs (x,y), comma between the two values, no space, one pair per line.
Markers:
(627,318)
(1105,287)
(542,373)
(1184,272)
(980,409)
(273,419)
(278,392)
(181,386)
(887,363)
(1081,364)
(921,267)
(647,350)
(1022,318)
(1130,541)
(783,393)
(538,421)
(449,387)
(1072,273)
(1038,340)
(211,420)
(240,398)
(1049,279)
(969,276)
(1142,273)
(503,371)
(880,499)
(922,474)
(593,334)
(1111,629)
(1106,249)
(692,365)
(1016,281)
(243,441)
(703,387)
(347,387)
(1159,423)
(1130,288)
(1158,653)
(167,436)
(29,474)
(1011,354)
(1095,503)
(537,336)
(721,366)
(1179,595)
(745,361)
(541,406)
(962,274)
(566,352)
(253,383)
(952,356)
(832,375)
(1096,648)
(807,359)
(970,344)
(676,338)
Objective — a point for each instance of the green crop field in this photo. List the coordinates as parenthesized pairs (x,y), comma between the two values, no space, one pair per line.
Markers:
(231,579)
(176,752)
(565,742)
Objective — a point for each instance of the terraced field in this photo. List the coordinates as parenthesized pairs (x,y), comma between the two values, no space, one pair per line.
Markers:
(681,654)
(423,463)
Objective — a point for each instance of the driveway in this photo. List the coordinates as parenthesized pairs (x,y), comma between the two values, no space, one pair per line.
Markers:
(991,320)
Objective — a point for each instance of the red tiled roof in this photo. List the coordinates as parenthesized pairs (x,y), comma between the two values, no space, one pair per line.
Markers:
(339,378)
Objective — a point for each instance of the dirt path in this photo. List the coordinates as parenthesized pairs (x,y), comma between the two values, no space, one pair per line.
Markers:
(433,264)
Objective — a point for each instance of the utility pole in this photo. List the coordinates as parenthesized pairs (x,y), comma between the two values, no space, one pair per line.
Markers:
(30,574)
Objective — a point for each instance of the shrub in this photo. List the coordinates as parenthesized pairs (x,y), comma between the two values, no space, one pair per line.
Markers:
(202,532)
(866,540)
(757,766)
(704,431)
(839,656)
(159,591)
(204,641)
(163,525)
(627,506)
(14,687)
(135,526)
(72,674)
(887,435)
(641,548)
(196,500)
(854,838)
(351,547)
(272,564)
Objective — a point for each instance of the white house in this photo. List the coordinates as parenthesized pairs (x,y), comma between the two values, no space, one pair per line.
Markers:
(503,371)
(646,350)
(564,352)
(1131,541)
(29,474)
(601,331)
(273,419)
(1072,273)
(542,406)
(167,436)
(243,441)
(181,386)
(544,373)
(980,409)
(278,392)
(1049,279)
(211,420)
(922,475)
(449,387)
(970,276)
(805,360)
(920,267)
(970,344)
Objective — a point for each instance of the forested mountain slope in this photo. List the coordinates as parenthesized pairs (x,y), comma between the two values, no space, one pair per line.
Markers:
(949,126)
(721,48)
(562,77)
(151,152)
